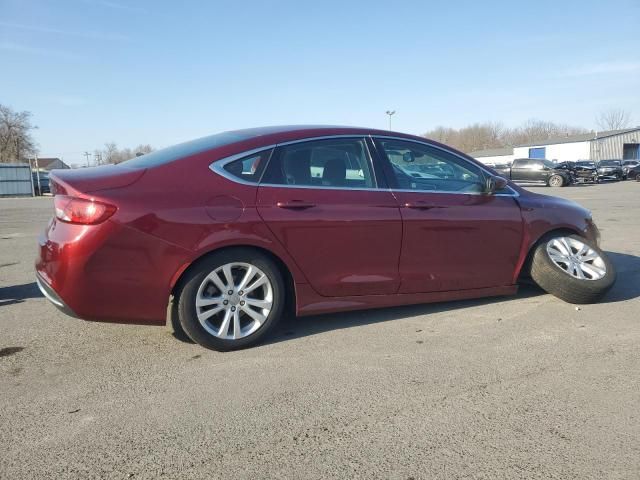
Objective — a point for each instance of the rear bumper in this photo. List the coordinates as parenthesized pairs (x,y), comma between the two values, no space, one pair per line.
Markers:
(106,272)
(51,295)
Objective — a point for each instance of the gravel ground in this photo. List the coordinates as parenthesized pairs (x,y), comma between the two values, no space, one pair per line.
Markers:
(518,387)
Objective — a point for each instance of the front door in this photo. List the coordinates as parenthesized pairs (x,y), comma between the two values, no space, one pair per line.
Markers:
(320,200)
(455,236)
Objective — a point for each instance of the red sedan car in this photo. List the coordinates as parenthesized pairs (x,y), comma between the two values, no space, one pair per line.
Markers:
(237,227)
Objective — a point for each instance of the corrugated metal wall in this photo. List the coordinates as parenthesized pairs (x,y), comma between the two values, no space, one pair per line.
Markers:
(611,147)
(15,179)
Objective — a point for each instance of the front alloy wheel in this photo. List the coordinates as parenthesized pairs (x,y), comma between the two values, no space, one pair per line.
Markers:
(556,181)
(231,299)
(572,268)
(576,258)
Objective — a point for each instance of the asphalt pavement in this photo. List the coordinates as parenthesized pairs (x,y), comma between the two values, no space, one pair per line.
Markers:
(512,387)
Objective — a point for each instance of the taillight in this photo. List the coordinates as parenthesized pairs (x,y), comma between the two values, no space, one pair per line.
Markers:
(80,210)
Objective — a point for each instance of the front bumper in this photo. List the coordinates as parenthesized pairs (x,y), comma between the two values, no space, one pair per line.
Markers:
(610,174)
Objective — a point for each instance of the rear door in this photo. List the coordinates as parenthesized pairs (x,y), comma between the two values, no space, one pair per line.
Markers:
(321,200)
(455,236)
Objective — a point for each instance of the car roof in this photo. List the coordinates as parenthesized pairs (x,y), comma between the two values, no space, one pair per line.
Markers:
(304,131)
(237,141)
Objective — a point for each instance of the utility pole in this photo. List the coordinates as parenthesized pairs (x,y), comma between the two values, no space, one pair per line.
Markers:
(86,154)
(33,188)
(38,174)
(390,113)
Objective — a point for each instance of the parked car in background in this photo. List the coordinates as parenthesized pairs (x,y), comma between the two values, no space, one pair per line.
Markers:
(241,226)
(583,171)
(610,170)
(536,171)
(41,182)
(634,173)
(627,166)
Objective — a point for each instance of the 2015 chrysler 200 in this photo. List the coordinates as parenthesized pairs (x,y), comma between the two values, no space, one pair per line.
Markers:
(237,225)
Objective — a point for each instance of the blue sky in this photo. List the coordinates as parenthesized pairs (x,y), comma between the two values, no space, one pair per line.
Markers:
(161,72)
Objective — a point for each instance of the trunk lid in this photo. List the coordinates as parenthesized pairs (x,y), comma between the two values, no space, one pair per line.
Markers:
(92,179)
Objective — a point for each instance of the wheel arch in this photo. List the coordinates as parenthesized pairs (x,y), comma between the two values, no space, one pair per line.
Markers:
(525,265)
(285,271)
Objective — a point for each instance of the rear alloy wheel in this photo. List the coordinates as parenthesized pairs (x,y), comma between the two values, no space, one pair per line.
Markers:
(231,300)
(572,269)
(556,181)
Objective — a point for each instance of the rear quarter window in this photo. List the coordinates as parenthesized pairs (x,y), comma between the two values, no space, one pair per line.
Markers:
(248,169)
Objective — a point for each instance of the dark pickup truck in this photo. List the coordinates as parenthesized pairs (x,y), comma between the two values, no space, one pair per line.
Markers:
(538,171)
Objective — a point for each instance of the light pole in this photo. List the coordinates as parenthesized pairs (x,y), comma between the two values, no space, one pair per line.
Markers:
(390,112)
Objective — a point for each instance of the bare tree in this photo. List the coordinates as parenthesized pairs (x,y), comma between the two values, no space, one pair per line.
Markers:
(112,154)
(480,136)
(16,142)
(613,119)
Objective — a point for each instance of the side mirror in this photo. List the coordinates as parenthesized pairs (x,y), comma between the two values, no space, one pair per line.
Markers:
(409,157)
(494,184)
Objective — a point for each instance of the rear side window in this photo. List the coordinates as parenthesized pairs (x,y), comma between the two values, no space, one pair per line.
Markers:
(337,163)
(250,168)
(521,164)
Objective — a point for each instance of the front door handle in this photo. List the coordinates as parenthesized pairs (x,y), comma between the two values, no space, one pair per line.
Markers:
(295,205)
(420,205)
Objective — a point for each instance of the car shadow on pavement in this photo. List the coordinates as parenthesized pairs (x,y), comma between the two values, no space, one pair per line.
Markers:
(292,327)
(627,284)
(626,287)
(18,293)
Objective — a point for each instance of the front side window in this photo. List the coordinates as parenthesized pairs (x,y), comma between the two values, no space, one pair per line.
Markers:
(333,163)
(249,168)
(421,167)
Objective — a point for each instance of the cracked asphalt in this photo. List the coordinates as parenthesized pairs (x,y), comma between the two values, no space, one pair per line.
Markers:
(513,387)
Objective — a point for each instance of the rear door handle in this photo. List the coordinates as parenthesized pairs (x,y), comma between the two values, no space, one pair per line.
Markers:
(295,205)
(420,205)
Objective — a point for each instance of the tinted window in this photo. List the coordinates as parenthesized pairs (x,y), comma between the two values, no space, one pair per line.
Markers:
(421,167)
(519,163)
(340,162)
(548,164)
(249,169)
(182,150)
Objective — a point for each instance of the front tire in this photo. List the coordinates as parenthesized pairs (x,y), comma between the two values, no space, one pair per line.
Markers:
(231,299)
(556,181)
(572,268)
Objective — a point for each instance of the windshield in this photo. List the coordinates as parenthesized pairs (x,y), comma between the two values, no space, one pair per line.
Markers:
(549,164)
(586,164)
(610,163)
(182,150)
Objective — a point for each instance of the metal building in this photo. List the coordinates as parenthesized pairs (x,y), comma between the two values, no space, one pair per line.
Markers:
(609,145)
(15,179)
